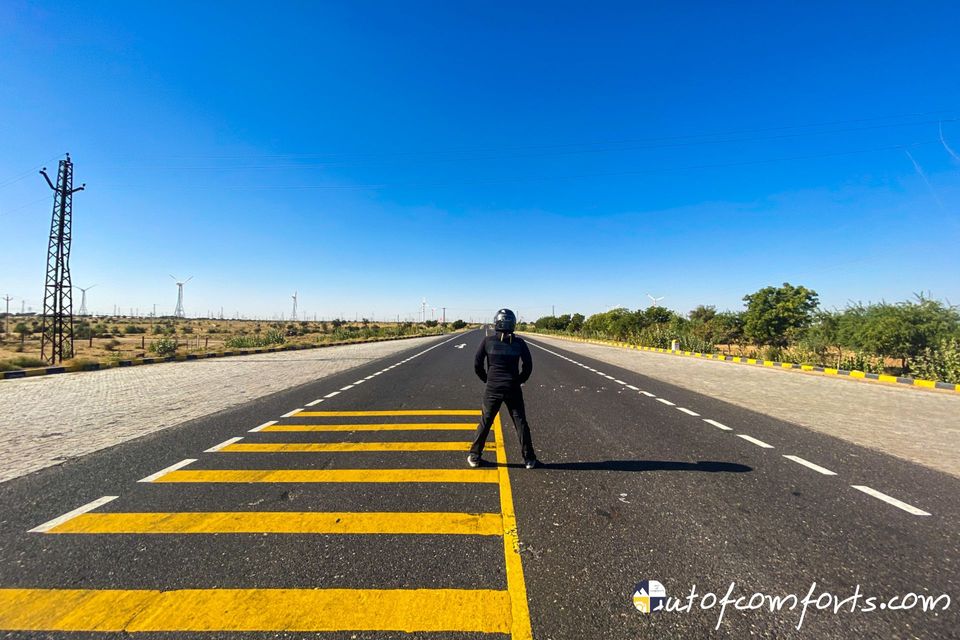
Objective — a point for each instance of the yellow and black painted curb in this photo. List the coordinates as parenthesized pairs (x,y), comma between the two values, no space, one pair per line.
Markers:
(861,375)
(133,362)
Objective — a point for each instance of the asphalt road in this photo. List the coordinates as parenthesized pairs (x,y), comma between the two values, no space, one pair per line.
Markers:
(372,526)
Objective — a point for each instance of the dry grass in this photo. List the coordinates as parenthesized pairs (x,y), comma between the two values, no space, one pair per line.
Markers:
(112,340)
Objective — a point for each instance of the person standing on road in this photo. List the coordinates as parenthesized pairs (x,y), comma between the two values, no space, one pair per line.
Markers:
(498,363)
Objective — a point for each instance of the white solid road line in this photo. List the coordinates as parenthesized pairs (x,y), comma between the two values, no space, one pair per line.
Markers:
(648,394)
(688,412)
(163,472)
(717,424)
(759,443)
(273,422)
(223,444)
(314,403)
(666,402)
(329,395)
(810,465)
(290,414)
(882,496)
(630,386)
(90,506)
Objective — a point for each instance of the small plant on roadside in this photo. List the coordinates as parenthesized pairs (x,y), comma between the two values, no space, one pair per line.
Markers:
(163,346)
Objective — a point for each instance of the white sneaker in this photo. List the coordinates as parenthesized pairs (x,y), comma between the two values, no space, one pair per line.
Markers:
(474,460)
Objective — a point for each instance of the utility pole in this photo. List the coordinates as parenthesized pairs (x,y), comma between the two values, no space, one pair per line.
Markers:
(444,320)
(57,324)
(6,318)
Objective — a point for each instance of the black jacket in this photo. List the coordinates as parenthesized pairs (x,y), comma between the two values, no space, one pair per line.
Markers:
(503,353)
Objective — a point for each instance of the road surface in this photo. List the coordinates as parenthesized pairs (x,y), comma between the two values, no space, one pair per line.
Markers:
(343,508)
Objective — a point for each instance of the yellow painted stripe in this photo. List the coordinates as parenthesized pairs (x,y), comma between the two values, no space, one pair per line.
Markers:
(476,524)
(331,475)
(886,378)
(930,384)
(832,372)
(858,374)
(397,426)
(304,610)
(520,628)
(807,367)
(398,412)
(331,447)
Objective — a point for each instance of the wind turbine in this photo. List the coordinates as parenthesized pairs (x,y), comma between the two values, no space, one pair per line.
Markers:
(178,313)
(294,315)
(83,299)
(654,301)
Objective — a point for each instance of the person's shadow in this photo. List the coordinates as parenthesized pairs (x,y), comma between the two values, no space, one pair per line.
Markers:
(707,466)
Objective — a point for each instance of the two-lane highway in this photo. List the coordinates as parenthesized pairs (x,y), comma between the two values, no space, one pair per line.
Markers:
(345,509)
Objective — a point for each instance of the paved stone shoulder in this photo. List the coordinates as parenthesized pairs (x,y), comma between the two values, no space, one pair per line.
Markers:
(920,426)
(48,419)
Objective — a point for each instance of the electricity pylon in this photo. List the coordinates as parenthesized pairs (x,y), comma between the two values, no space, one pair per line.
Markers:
(57,325)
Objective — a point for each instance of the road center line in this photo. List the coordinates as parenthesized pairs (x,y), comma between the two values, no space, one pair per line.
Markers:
(349,386)
(759,443)
(688,412)
(272,422)
(163,472)
(810,465)
(648,394)
(90,506)
(329,395)
(897,503)
(290,414)
(633,388)
(666,402)
(314,403)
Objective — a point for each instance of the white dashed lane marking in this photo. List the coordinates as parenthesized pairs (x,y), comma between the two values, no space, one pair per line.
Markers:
(268,424)
(329,395)
(759,443)
(688,412)
(70,515)
(223,444)
(810,465)
(648,394)
(665,401)
(909,508)
(630,386)
(718,425)
(163,472)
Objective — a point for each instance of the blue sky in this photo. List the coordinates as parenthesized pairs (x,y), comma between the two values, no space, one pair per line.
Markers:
(370,154)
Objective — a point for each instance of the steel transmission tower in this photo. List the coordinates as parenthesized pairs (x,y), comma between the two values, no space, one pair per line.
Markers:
(57,326)
(178,312)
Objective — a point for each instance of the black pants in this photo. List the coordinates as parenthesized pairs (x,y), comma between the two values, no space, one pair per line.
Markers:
(492,399)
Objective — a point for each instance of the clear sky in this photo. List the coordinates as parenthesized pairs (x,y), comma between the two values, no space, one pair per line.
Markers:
(576,155)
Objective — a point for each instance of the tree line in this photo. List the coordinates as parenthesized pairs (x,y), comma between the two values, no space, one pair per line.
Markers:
(919,337)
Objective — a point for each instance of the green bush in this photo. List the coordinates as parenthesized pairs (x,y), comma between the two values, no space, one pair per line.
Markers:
(21,362)
(163,346)
(132,328)
(940,362)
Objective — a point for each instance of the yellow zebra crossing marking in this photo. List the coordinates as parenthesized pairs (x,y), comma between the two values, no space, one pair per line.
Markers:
(332,475)
(333,447)
(398,412)
(397,426)
(476,524)
(304,610)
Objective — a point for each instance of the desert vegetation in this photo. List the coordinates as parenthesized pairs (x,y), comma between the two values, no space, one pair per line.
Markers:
(918,337)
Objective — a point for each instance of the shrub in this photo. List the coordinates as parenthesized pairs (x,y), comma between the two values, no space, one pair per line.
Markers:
(163,346)
(112,345)
(941,362)
(132,328)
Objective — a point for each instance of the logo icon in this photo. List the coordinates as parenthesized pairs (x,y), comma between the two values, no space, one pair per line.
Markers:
(649,595)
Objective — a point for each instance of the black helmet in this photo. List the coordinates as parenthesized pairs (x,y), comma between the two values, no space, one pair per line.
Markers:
(505,321)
